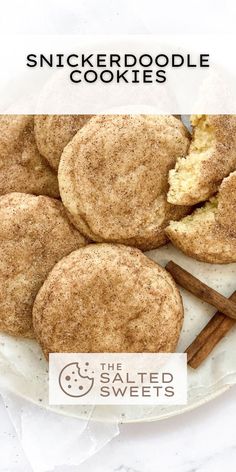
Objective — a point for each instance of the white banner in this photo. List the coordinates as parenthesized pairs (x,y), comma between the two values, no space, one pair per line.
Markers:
(117,74)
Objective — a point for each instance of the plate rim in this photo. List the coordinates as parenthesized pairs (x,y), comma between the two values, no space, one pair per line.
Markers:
(187,408)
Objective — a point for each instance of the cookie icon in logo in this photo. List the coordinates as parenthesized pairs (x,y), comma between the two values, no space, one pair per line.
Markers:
(75,381)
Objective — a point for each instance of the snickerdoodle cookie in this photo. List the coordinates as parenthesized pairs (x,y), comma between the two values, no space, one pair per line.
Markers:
(53,133)
(226,215)
(35,234)
(211,157)
(108,298)
(209,234)
(113,177)
(22,168)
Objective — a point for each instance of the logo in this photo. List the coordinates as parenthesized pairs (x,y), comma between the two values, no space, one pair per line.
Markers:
(117,379)
(75,381)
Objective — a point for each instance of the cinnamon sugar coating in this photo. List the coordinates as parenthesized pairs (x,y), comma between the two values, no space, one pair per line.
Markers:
(35,234)
(211,157)
(209,234)
(53,133)
(108,298)
(22,168)
(113,178)
(227,204)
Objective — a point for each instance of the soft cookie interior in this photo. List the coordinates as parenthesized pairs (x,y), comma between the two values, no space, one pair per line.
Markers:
(202,237)
(211,157)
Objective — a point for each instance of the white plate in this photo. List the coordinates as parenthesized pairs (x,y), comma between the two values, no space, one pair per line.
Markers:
(23,369)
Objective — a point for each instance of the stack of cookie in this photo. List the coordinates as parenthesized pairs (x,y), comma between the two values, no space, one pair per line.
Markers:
(81,198)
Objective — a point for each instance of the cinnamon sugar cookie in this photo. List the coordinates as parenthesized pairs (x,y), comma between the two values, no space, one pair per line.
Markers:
(209,234)
(35,234)
(113,177)
(211,157)
(22,168)
(108,298)
(226,215)
(53,133)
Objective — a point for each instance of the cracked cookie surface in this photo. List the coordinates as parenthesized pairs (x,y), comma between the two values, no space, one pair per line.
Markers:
(35,234)
(108,298)
(209,233)
(22,168)
(211,157)
(53,133)
(113,178)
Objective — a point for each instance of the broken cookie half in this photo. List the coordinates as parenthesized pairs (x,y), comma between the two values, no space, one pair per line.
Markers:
(211,157)
(209,233)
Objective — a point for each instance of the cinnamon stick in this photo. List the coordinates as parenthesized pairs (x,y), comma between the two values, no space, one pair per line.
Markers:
(209,337)
(201,290)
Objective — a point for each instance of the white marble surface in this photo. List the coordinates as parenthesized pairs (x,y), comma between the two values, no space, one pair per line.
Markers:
(203,440)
